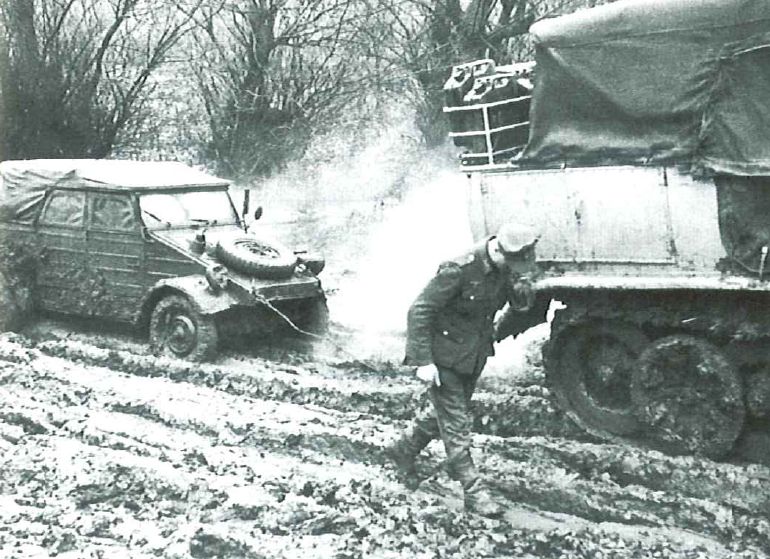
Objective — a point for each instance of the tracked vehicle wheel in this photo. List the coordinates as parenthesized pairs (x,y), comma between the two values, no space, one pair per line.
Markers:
(689,396)
(589,369)
(758,394)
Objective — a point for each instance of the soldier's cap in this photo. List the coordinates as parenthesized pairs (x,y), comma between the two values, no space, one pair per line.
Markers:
(515,237)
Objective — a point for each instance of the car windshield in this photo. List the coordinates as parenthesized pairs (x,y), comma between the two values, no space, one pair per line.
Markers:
(184,209)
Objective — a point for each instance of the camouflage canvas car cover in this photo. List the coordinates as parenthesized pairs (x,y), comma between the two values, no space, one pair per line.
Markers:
(23,183)
(646,81)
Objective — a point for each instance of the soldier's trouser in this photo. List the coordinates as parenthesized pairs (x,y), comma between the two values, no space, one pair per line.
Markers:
(451,419)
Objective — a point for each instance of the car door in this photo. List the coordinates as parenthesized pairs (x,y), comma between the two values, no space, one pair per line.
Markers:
(115,249)
(61,230)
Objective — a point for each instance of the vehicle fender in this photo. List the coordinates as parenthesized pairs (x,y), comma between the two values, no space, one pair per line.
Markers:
(196,289)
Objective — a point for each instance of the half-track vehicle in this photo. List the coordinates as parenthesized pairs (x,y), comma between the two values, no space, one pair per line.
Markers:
(158,245)
(638,143)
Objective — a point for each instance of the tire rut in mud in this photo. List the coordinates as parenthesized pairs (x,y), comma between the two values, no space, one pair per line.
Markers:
(114,451)
(522,410)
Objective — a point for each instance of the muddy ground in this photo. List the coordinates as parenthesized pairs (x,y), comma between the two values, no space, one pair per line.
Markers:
(108,452)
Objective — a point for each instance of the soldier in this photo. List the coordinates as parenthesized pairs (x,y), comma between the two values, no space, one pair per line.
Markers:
(450,334)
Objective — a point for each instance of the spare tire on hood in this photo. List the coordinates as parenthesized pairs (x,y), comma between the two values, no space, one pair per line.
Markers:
(256,257)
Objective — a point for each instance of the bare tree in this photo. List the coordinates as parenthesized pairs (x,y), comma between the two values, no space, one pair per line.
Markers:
(271,72)
(74,73)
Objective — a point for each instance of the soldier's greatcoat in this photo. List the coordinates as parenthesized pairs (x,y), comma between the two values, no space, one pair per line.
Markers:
(451,321)
(451,324)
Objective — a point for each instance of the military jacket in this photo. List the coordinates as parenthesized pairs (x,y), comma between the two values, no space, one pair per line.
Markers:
(451,322)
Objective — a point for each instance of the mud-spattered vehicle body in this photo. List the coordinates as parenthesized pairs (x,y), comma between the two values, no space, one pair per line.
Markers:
(158,245)
(639,145)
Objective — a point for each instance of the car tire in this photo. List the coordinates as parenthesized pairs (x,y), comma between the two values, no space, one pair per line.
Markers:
(7,306)
(256,257)
(178,330)
(14,308)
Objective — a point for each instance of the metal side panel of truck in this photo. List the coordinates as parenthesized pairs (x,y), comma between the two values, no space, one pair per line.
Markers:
(611,227)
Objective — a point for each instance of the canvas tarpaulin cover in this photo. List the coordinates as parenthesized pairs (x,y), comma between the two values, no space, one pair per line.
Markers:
(23,184)
(23,187)
(648,81)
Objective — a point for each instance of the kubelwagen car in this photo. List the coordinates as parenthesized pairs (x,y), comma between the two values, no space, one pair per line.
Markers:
(159,245)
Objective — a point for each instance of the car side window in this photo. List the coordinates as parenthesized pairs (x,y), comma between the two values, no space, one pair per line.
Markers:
(65,207)
(112,212)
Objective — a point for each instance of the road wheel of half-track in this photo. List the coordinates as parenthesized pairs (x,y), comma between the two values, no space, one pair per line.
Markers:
(178,330)
(689,396)
(589,366)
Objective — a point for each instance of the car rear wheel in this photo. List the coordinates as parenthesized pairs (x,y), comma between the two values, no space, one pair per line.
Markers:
(178,330)
(7,305)
(13,310)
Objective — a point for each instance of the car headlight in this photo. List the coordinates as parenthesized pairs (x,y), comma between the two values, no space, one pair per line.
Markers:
(216,276)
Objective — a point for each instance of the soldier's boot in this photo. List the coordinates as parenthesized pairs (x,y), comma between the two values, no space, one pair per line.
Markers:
(478,499)
(476,495)
(403,453)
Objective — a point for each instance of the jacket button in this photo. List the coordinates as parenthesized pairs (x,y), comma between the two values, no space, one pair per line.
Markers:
(472,297)
(445,333)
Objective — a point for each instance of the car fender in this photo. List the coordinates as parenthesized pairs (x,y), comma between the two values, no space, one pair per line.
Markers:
(196,289)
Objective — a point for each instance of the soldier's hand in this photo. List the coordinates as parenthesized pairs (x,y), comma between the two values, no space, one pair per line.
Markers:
(428,374)
(523,295)
(498,330)
(501,327)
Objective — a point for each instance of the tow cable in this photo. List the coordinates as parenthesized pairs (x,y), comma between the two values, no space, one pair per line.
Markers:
(269,305)
(326,338)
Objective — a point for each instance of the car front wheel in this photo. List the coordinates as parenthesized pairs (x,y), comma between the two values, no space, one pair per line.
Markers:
(178,330)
